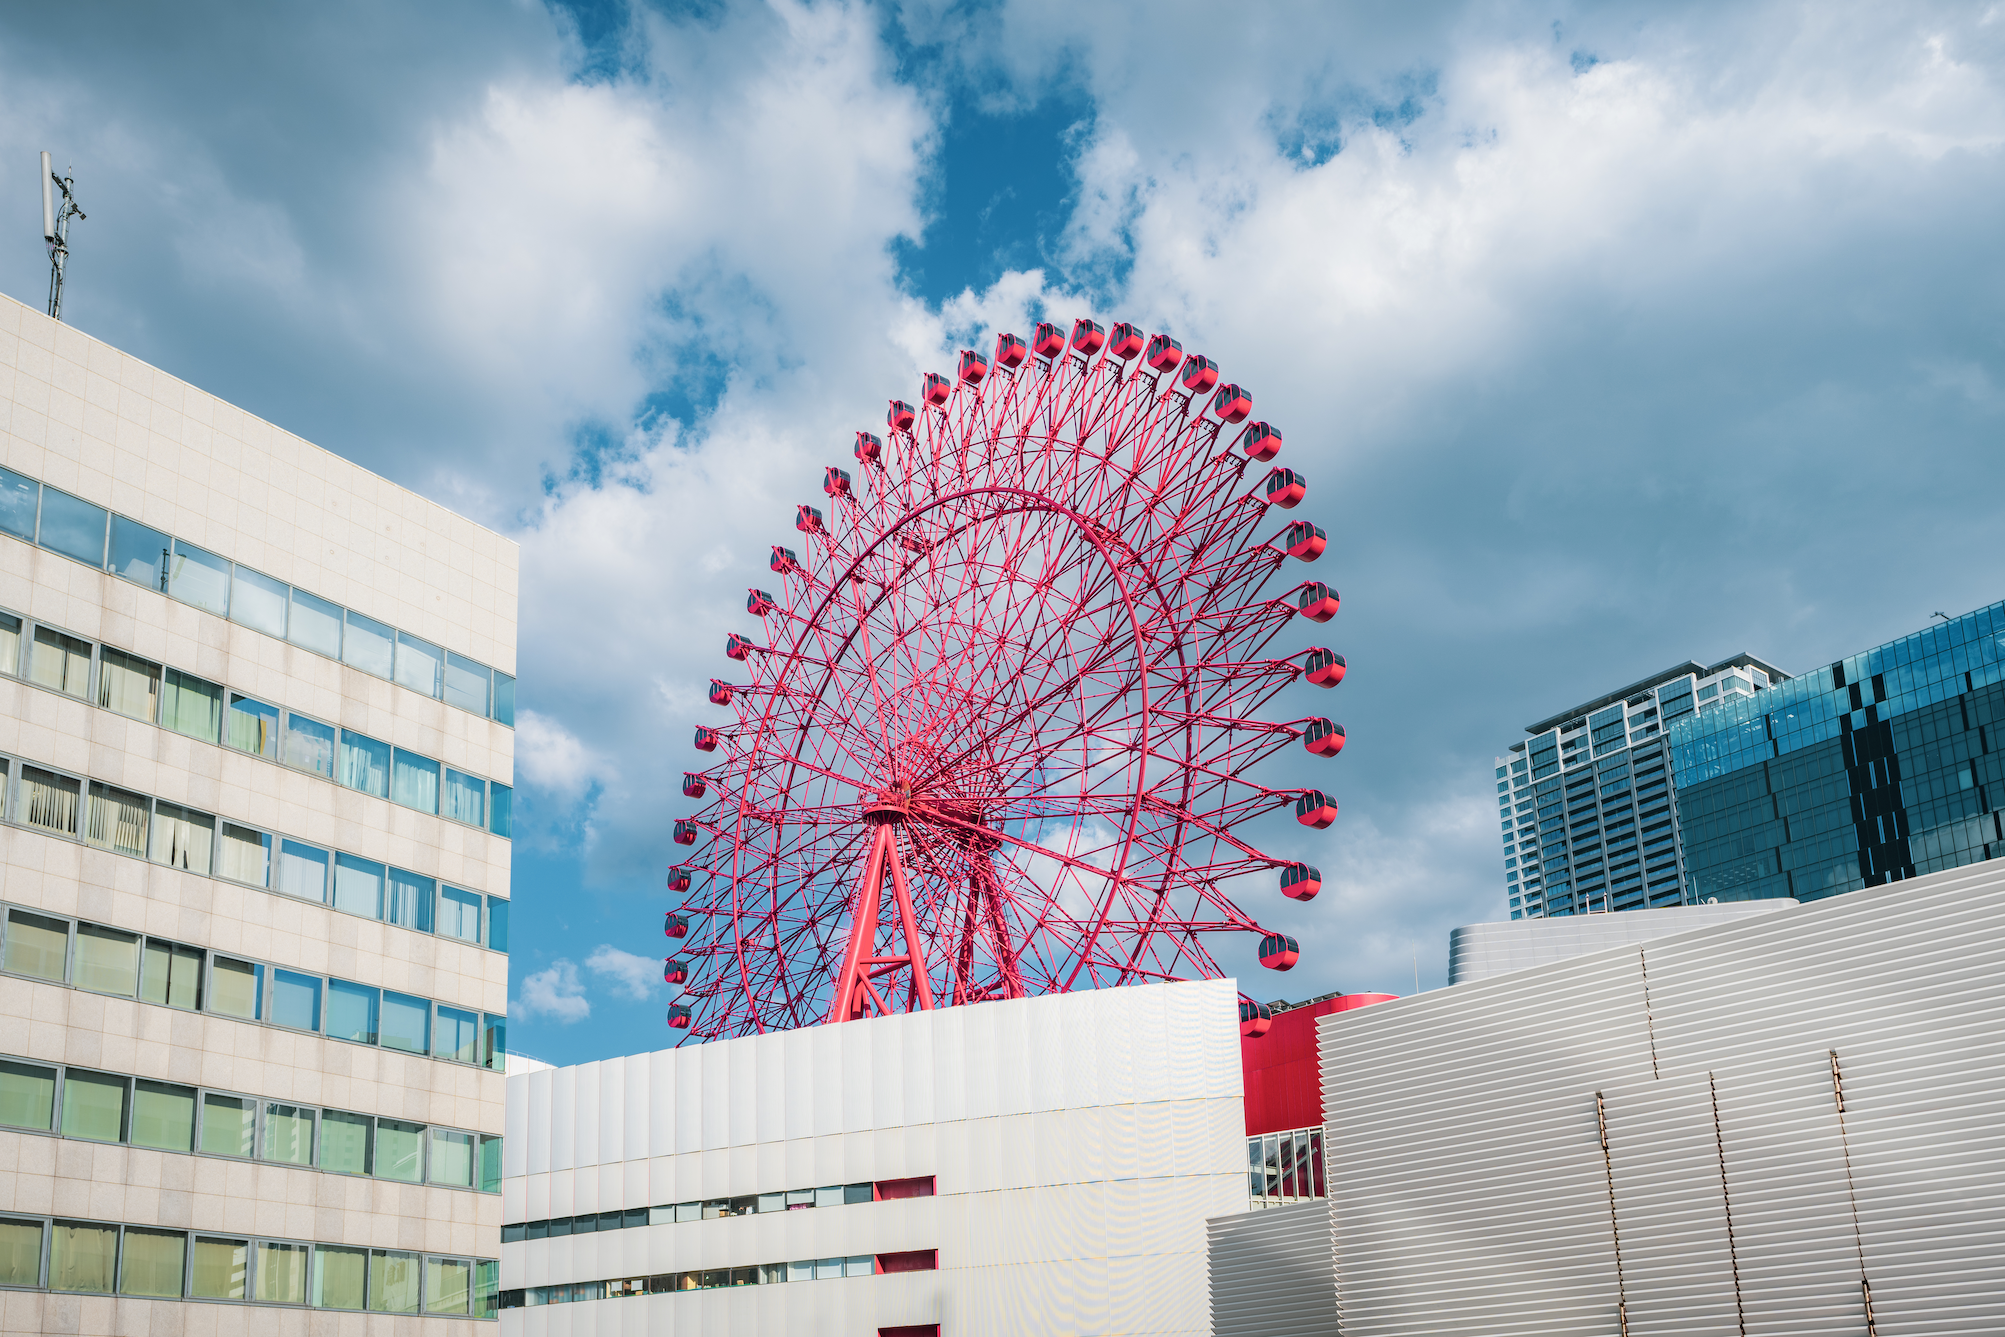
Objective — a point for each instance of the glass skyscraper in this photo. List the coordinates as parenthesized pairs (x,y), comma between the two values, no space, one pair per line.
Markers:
(1874,769)
(1589,803)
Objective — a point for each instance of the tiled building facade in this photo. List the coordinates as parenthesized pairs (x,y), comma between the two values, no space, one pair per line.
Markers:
(255,727)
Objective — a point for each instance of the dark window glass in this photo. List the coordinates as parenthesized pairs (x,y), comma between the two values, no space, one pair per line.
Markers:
(72,527)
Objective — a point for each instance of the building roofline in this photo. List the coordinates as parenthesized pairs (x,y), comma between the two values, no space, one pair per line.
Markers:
(1690,666)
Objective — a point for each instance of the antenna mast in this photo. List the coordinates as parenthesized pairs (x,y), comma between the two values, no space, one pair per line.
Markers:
(56,230)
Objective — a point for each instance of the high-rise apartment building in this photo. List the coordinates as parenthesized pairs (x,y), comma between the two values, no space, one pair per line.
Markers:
(255,764)
(1587,803)
(1874,769)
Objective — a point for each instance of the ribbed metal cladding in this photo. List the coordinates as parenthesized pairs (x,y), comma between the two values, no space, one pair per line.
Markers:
(1470,1192)
(1270,1273)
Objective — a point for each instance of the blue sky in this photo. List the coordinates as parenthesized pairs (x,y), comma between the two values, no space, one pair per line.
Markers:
(1607,336)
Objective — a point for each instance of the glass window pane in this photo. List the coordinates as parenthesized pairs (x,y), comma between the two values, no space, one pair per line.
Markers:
(504,699)
(410,900)
(309,745)
(18,496)
(93,1106)
(419,664)
(199,578)
(73,527)
(465,798)
(117,821)
(171,975)
(452,1158)
(497,923)
(406,1023)
(393,1281)
(494,1043)
(501,805)
(400,1150)
(62,662)
(236,988)
(337,1276)
(466,684)
(27,1096)
(20,1253)
(490,1165)
(358,886)
(365,764)
(288,1134)
(125,683)
(302,871)
(458,1035)
(107,961)
(10,644)
(486,1287)
(281,1273)
(344,1142)
(151,1262)
(82,1256)
(182,837)
(244,855)
(447,1281)
(258,602)
(229,1125)
(138,554)
(49,801)
(314,624)
(459,914)
(368,645)
(415,783)
(351,1011)
(163,1116)
(190,705)
(221,1270)
(251,726)
(37,945)
(295,1000)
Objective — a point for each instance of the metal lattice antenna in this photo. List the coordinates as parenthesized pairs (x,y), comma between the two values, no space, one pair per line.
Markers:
(56,230)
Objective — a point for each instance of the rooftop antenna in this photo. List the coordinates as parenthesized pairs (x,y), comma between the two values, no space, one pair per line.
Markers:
(56,230)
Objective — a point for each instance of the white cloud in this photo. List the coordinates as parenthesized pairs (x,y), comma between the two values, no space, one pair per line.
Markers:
(550,756)
(554,993)
(635,976)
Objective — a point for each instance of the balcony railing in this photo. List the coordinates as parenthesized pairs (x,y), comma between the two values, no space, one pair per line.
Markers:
(1286,1167)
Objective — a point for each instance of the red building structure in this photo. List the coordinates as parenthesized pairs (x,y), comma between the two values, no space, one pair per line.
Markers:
(1284,1087)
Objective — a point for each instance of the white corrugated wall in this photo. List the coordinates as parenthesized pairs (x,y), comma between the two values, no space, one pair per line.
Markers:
(1270,1273)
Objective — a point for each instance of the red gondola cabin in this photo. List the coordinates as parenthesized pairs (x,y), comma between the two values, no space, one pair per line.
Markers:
(1164,353)
(1263,442)
(973,366)
(675,970)
(1323,738)
(1047,340)
(1010,351)
(1087,337)
(807,519)
(1254,1019)
(674,925)
(1200,373)
(1125,341)
(1278,951)
(759,603)
(835,481)
(783,560)
(1315,809)
(679,1017)
(900,416)
(1285,488)
(736,646)
(706,739)
(1317,601)
(868,447)
(934,389)
(694,785)
(685,833)
(1305,542)
(1326,667)
(1301,881)
(1232,403)
(720,693)
(679,879)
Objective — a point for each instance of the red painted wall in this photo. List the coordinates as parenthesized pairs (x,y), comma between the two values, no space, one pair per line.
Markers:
(1284,1085)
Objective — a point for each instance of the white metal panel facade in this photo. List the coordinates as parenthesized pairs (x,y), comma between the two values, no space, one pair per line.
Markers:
(1078,1143)
(1470,1191)
(1270,1273)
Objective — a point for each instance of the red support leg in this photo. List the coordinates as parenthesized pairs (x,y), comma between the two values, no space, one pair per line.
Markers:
(857,994)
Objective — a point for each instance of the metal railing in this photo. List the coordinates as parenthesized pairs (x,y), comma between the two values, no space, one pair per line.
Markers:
(1285,1167)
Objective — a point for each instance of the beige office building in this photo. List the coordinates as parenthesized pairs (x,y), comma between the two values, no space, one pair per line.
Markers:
(256,745)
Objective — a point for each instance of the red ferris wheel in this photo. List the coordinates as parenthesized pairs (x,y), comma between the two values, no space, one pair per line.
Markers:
(998,728)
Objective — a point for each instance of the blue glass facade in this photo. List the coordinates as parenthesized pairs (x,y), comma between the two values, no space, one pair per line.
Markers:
(1877,768)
